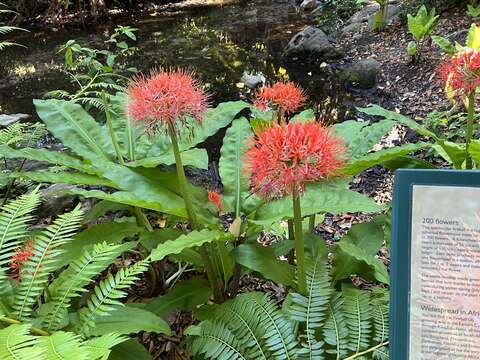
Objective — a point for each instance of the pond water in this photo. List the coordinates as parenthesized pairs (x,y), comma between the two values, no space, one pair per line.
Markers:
(220,44)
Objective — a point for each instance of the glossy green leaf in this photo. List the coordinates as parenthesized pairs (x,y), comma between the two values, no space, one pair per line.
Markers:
(64,177)
(130,350)
(333,197)
(304,116)
(193,157)
(235,183)
(262,260)
(190,240)
(184,296)
(128,320)
(71,124)
(357,165)
(452,152)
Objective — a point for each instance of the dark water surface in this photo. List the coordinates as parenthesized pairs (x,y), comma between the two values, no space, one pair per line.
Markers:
(220,44)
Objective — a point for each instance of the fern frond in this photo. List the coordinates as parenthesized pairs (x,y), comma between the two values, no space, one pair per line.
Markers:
(16,343)
(99,348)
(217,341)
(46,248)
(242,320)
(358,313)
(380,322)
(107,293)
(279,330)
(12,134)
(311,310)
(14,217)
(71,282)
(335,331)
(62,346)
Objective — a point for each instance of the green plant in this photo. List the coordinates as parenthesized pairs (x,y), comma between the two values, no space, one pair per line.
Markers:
(420,26)
(7,29)
(322,323)
(473,10)
(381,16)
(44,296)
(97,71)
(17,343)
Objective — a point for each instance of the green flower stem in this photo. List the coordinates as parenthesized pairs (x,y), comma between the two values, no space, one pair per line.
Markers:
(291,237)
(192,217)
(470,116)
(299,244)
(141,217)
(311,223)
(33,329)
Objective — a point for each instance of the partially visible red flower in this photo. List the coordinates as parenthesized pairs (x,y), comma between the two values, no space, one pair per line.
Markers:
(216,199)
(166,97)
(20,256)
(283,158)
(285,97)
(462,72)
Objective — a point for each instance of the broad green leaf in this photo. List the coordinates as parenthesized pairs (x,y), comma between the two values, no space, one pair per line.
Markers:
(262,259)
(369,236)
(144,185)
(407,162)
(361,139)
(474,150)
(71,124)
(128,320)
(333,197)
(376,110)
(304,116)
(356,166)
(193,157)
(64,177)
(473,37)
(184,296)
(452,152)
(109,232)
(52,157)
(235,184)
(192,239)
(412,48)
(213,120)
(130,350)
(350,259)
(444,44)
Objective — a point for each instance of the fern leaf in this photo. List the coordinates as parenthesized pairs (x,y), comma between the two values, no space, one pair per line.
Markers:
(16,343)
(14,217)
(358,313)
(107,293)
(279,330)
(312,309)
(46,248)
(62,346)
(335,331)
(380,322)
(99,348)
(217,341)
(71,282)
(242,320)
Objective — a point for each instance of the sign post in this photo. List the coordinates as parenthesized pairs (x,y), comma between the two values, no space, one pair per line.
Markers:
(435,272)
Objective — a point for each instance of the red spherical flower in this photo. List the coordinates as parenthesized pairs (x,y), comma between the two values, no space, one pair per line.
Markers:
(283,158)
(216,199)
(166,97)
(462,72)
(285,97)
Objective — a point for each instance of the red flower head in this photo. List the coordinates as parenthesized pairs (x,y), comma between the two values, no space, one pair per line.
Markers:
(285,97)
(284,158)
(166,97)
(216,199)
(20,256)
(462,72)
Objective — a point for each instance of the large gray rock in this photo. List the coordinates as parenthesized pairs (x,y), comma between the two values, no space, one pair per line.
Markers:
(311,41)
(308,5)
(6,120)
(363,74)
(252,80)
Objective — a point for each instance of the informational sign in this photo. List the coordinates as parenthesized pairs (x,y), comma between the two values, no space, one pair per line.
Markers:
(435,287)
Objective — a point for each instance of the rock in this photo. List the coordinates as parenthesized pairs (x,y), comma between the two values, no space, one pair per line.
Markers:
(393,14)
(311,41)
(353,27)
(6,120)
(54,202)
(308,5)
(367,14)
(363,74)
(252,80)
